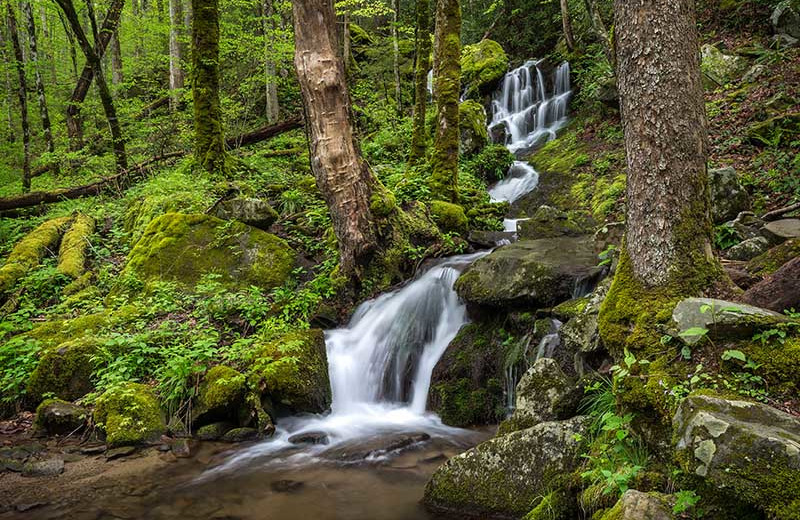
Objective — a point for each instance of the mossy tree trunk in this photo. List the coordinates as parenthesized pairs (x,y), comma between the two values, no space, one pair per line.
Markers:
(22,94)
(398,92)
(447,88)
(419,135)
(600,31)
(342,176)
(566,23)
(40,94)
(11,136)
(175,53)
(209,140)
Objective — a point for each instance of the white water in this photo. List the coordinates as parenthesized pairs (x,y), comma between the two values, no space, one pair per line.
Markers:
(529,116)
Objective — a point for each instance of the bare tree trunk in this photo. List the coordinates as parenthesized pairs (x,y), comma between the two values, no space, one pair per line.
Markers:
(95,61)
(72,52)
(40,93)
(116,59)
(396,58)
(567,24)
(600,31)
(419,135)
(22,94)
(175,53)
(447,89)
(9,89)
(272,107)
(342,176)
(663,113)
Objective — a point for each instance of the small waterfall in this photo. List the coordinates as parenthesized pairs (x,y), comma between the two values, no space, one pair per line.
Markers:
(524,116)
(549,342)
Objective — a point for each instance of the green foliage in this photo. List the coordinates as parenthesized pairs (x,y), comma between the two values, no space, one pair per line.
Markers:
(725,237)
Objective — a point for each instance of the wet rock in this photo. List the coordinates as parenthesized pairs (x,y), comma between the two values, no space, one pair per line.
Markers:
(747,449)
(118,453)
(93,450)
(472,127)
(377,447)
(580,336)
(181,448)
(43,468)
(781,230)
(240,435)
(214,431)
(719,68)
(742,278)
(747,250)
(57,417)
(310,438)
(728,196)
(488,239)
(504,476)
(549,222)
(786,19)
(529,273)
(286,486)
(635,505)
(779,291)
(544,393)
(722,319)
(253,212)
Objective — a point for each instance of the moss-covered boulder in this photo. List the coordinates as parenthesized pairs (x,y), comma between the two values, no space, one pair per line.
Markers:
(719,68)
(449,217)
(129,414)
(64,371)
(221,397)
(183,248)
(506,477)
(779,363)
(30,251)
(549,222)
(253,212)
(746,450)
(772,260)
(728,196)
(472,127)
(722,319)
(292,372)
(529,273)
(57,417)
(491,164)
(483,65)
(635,505)
(74,246)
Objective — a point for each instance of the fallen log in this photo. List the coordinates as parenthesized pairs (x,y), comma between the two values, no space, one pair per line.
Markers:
(778,213)
(264,133)
(152,107)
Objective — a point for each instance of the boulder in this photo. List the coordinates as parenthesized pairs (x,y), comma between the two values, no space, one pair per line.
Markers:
(748,450)
(184,248)
(747,250)
(722,319)
(57,417)
(529,273)
(449,217)
(635,505)
(44,468)
(728,196)
(221,397)
(483,65)
(214,431)
(774,259)
(782,230)
(720,68)
(746,225)
(580,336)
(508,475)
(240,435)
(64,371)
(472,126)
(779,291)
(549,222)
(253,212)
(544,393)
(786,18)
(129,414)
(741,278)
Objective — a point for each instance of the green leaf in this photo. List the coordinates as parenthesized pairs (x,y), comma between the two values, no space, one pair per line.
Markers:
(734,354)
(686,352)
(693,332)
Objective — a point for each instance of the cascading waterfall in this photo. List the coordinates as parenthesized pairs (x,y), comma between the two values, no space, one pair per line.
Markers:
(524,115)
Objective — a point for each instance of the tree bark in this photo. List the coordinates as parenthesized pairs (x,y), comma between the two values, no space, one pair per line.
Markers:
(600,31)
(347,44)
(447,89)
(398,93)
(175,53)
(344,179)
(419,134)
(209,140)
(9,89)
(40,93)
(22,94)
(566,23)
(271,108)
(668,230)
(116,60)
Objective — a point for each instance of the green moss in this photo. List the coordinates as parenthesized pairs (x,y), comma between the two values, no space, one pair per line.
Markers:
(64,371)
(449,217)
(382,203)
(183,248)
(72,254)
(483,65)
(30,251)
(472,127)
(571,308)
(772,260)
(222,387)
(56,416)
(554,506)
(129,414)
(293,371)
(780,364)
(491,164)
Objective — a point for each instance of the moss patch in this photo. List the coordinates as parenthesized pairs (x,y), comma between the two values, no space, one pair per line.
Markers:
(129,414)
(72,254)
(483,65)
(222,387)
(64,371)
(449,217)
(30,250)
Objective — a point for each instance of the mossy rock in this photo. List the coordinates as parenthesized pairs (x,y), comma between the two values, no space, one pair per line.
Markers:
(472,127)
(293,372)
(64,371)
(449,217)
(491,164)
(571,308)
(74,246)
(30,251)
(772,260)
(775,130)
(556,505)
(549,222)
(183,248)
(636,505)
(221,396)
(483,65)
(779,363)
(719,68)
(57,417)
(129,415)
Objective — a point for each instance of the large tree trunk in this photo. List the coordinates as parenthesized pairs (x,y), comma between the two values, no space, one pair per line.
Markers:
(22,94)
(116,60)
(43,112)
(566,23)
(446,91)
(175,52)
(419,135)
(74,127)
(600,31)
(11,136)
(347,44)
(342,176)
(209,140)
(664,123)
(272,108)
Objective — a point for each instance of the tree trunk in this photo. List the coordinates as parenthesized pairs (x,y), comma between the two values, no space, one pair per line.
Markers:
(22,94)
(272,108)
(209,141)
(94,61)
(175,53)
(45,116)
(74,126)
(447,89)
(600,31)
(668,231)
(72,52)
(567,24)
(11,137)
(342,176)
(347,44)
(116,60)
(419,135)
(396,59)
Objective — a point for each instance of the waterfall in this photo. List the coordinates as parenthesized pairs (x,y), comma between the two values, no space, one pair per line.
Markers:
(525,115)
